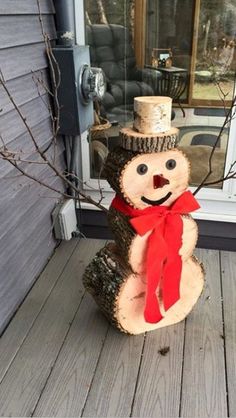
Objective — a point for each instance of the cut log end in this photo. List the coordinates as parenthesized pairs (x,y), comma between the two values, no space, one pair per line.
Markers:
(120,293)
(131,301)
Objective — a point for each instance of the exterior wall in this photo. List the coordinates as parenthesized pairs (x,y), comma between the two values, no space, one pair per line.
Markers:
(26,240)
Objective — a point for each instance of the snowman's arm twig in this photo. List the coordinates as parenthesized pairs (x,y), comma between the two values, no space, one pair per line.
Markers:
(229,116)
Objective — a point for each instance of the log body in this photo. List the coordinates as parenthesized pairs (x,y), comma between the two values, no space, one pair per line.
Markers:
(130,304)
(131,298)
(147,172)
(118,284)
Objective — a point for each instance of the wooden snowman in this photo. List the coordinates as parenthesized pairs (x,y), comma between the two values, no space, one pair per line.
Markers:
(148,278)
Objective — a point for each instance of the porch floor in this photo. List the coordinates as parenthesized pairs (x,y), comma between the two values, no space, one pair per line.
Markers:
(60,357)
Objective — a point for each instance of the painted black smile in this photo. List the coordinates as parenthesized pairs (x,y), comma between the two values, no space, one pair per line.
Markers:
(156,202)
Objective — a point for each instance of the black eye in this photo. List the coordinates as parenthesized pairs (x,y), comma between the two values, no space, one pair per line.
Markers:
(170,164)
(142,169)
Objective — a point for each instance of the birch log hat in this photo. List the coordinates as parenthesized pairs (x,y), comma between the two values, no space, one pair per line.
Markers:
(152,131)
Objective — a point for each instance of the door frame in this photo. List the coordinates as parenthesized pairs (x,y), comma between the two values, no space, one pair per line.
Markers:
(140,8)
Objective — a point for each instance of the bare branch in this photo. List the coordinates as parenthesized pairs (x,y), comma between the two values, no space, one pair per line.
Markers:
(11,177)
(2,76)
(88,20)
(20,160)
(230,175)
(84,183)
(44,157)
(38,80)
(101,12)
(55,73)
(2,140)
(31,177)
(229,116)
(15,158)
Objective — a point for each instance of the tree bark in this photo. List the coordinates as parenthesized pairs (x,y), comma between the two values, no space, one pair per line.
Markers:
(134,141)
(88,18)
(131,18)
(101,11)
(206,37)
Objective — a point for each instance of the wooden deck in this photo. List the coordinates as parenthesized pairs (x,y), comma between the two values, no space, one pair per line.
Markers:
(60,357)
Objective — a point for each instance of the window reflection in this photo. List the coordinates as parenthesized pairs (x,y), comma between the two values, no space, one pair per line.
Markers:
(198,37)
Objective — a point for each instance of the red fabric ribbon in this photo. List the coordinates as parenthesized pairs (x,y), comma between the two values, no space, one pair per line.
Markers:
(163,262)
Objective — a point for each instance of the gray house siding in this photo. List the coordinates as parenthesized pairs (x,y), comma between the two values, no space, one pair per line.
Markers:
(26,240)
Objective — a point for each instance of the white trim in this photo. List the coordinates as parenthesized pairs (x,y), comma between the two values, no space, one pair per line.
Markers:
(214,217)
(230,186)
(79,22)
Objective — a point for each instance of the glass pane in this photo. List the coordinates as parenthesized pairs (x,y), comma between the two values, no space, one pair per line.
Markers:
(215,57)
(196,141)
(172,56)
(109,31)
(169,25)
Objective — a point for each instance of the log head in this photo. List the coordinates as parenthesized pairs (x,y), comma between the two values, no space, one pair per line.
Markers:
(155,179)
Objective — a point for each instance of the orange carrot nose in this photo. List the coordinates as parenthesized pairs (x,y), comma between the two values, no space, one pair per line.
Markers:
(159,181)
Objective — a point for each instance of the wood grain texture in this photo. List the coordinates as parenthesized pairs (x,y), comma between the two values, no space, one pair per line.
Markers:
(153,27)
(18,329)
(69,383)
(23,26)
(204,386)
(115,376)
(28,58)
(22,385)
(139,31)
(16,7)
(11,124)
(102,368)
(228,263)
(23,89)
(159,383)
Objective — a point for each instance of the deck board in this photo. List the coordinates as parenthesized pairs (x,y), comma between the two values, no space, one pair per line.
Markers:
(69,383)
(60,357)
(159,385)
(15,335)
(31,367)
(204,386)
(228,264)
(115,376)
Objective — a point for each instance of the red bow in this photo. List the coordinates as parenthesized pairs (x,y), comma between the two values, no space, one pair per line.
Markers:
(163,262)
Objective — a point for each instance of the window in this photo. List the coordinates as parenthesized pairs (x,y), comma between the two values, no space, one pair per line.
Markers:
(124,47)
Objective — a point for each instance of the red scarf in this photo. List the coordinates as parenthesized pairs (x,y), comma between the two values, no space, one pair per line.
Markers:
(163,262)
